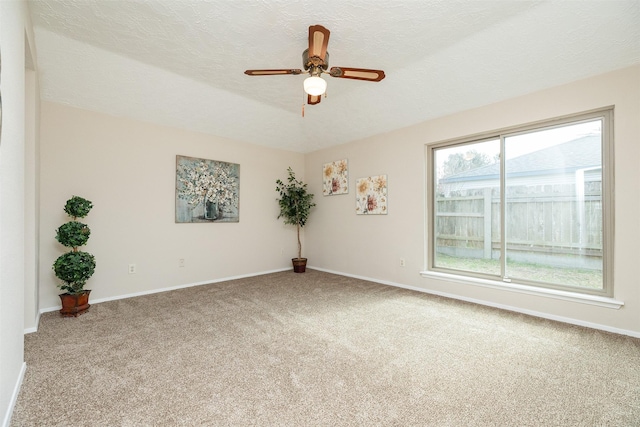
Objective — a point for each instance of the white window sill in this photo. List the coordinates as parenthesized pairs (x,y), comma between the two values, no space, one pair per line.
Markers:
(529,290)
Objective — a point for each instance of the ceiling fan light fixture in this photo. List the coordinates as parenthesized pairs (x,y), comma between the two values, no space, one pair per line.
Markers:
(315,86)
(315,61)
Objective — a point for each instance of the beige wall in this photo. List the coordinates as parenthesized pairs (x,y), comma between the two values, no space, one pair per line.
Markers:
(18,150)
(371,246)
(127,169)
(32,199)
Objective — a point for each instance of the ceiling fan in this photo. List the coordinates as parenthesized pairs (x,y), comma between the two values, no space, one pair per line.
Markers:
(315,61)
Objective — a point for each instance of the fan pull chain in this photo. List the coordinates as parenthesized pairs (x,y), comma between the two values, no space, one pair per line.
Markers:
(303,101)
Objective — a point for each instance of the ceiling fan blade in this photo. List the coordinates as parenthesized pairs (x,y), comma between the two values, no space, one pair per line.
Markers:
(314,99)
(318,41)
(357,73)
(272,72)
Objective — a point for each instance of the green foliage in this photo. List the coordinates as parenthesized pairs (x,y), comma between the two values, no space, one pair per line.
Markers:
(73,234)
(295,203)
(77,207)
(462,162)
(74,269)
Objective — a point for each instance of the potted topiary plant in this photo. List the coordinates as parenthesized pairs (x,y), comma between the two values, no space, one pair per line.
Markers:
(295,203)
(76,267)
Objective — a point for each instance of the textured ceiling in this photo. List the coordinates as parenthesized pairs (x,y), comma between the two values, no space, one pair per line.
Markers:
(181,62)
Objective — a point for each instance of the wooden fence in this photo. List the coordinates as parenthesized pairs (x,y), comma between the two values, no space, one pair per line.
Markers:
(547,219)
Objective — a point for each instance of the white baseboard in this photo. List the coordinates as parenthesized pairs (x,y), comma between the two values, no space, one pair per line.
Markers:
(171,288)
(35,328)
(14,396)
(534,313)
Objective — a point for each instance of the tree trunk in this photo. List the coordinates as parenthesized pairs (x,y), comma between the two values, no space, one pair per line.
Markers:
(299,244)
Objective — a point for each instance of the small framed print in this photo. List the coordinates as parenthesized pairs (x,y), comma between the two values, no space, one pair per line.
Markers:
(335,178)
(371,195)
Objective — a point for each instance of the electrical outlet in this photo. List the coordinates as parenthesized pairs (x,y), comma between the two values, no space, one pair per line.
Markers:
(181,262)
(132,268)
(402,262)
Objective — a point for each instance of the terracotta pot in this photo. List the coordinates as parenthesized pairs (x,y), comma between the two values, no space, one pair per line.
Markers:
(74,305)
(299,264)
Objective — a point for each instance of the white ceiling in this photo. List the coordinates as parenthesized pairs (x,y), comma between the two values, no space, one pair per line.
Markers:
(181,62)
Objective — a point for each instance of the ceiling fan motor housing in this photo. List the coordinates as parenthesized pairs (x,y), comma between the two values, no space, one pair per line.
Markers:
(314,62)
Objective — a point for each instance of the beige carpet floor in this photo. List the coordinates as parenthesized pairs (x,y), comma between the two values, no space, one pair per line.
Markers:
(318,349)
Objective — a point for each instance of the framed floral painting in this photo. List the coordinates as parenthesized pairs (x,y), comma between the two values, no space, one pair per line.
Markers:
(207,190)
(335,178)
(371,195)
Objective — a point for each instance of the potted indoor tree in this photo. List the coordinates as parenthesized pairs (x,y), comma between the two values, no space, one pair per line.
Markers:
(74,268)
(295,203)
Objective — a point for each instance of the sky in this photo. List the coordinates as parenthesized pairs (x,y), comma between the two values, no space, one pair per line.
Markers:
(517,145)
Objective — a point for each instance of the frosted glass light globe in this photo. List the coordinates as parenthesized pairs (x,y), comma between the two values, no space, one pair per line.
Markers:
(315,86)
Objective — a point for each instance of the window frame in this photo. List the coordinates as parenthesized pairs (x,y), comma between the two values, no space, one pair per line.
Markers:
(608,227)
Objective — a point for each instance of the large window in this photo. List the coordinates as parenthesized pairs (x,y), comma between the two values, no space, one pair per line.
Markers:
(530,205)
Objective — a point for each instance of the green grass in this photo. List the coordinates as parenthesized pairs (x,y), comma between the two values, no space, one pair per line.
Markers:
(578,277)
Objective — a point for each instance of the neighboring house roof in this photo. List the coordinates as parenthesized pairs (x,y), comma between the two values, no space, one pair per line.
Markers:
(563,158)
